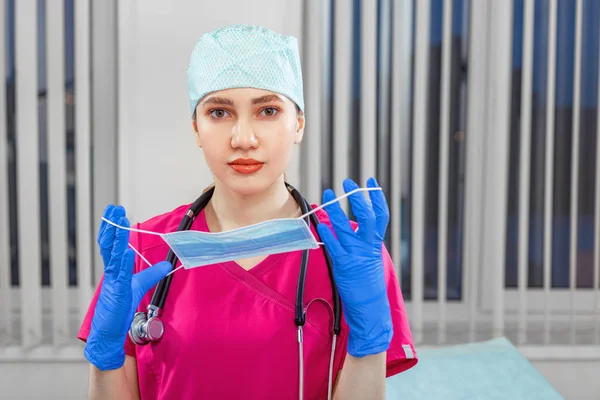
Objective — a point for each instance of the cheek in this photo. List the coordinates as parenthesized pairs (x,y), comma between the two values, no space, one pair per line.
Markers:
(281,144)
(214,147)
(213,135)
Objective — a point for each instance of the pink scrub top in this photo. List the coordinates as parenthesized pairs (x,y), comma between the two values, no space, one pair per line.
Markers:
(230,333)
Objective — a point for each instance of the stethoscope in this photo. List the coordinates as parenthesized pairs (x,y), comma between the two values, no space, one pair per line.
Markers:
(147,327)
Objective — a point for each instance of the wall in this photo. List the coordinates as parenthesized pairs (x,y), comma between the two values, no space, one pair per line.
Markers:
(573,379)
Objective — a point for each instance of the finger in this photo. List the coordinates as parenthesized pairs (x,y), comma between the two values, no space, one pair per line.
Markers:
(337,216)
(362,210)
(103,225)
(149,277)
(119,247)
(103,234)
(107,231)
(380,207)
(118,213)
(126,267)
(333,246)
(107,238)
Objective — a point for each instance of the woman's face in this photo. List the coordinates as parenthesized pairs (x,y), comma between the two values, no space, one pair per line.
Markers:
(247,136)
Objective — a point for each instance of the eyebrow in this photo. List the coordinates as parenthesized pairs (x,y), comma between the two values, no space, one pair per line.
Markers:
(218,100)
(258,100)
(267,99)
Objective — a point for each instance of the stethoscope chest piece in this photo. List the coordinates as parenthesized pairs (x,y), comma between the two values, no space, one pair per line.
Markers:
(145,330)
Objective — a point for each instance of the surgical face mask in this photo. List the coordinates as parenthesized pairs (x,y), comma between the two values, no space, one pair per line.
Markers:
(196,249)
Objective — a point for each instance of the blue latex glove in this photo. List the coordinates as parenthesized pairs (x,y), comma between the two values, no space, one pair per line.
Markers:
(120,295)
(358,267)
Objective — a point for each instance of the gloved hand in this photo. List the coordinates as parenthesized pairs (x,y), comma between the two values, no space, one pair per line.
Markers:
(120,295)
(358,267)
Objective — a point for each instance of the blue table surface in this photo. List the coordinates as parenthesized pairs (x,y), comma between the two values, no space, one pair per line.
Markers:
(490,370)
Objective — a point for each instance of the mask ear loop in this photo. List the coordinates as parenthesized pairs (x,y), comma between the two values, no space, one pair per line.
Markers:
(148,262)
(131,229)
(140,254)
(176,269)
(314,210)
(133,248)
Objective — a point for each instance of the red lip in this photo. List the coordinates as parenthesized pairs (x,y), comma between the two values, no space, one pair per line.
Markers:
(246,165)
(245,161)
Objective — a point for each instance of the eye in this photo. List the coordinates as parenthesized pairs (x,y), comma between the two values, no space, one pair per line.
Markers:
(217,113)
(269,111)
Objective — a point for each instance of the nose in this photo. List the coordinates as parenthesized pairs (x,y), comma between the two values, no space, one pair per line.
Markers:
(243,136)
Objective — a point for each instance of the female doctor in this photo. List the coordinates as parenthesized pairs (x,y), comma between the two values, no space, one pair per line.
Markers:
(229,329)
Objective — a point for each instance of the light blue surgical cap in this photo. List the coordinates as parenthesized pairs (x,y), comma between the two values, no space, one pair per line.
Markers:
(245,56)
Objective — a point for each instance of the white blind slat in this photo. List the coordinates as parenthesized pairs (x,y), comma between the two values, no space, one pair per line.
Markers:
(524,165)
(444,160)
(328,95)
(28,179)
(104,109)
(294,171)
(368,96)
(401,104)
(315,82)
(477,88)
(57,167)
(82,153)
(596,284)
(419,163)
(395,141)
(342,102)
(5,298)
(575,165)
(497,156)
(382,157)
(549,167)
(127,20)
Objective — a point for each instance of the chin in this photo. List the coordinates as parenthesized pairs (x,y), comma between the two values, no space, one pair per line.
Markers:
(249,185)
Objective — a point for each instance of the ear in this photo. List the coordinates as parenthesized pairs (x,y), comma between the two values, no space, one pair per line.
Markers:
(195,126)
(301,121)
